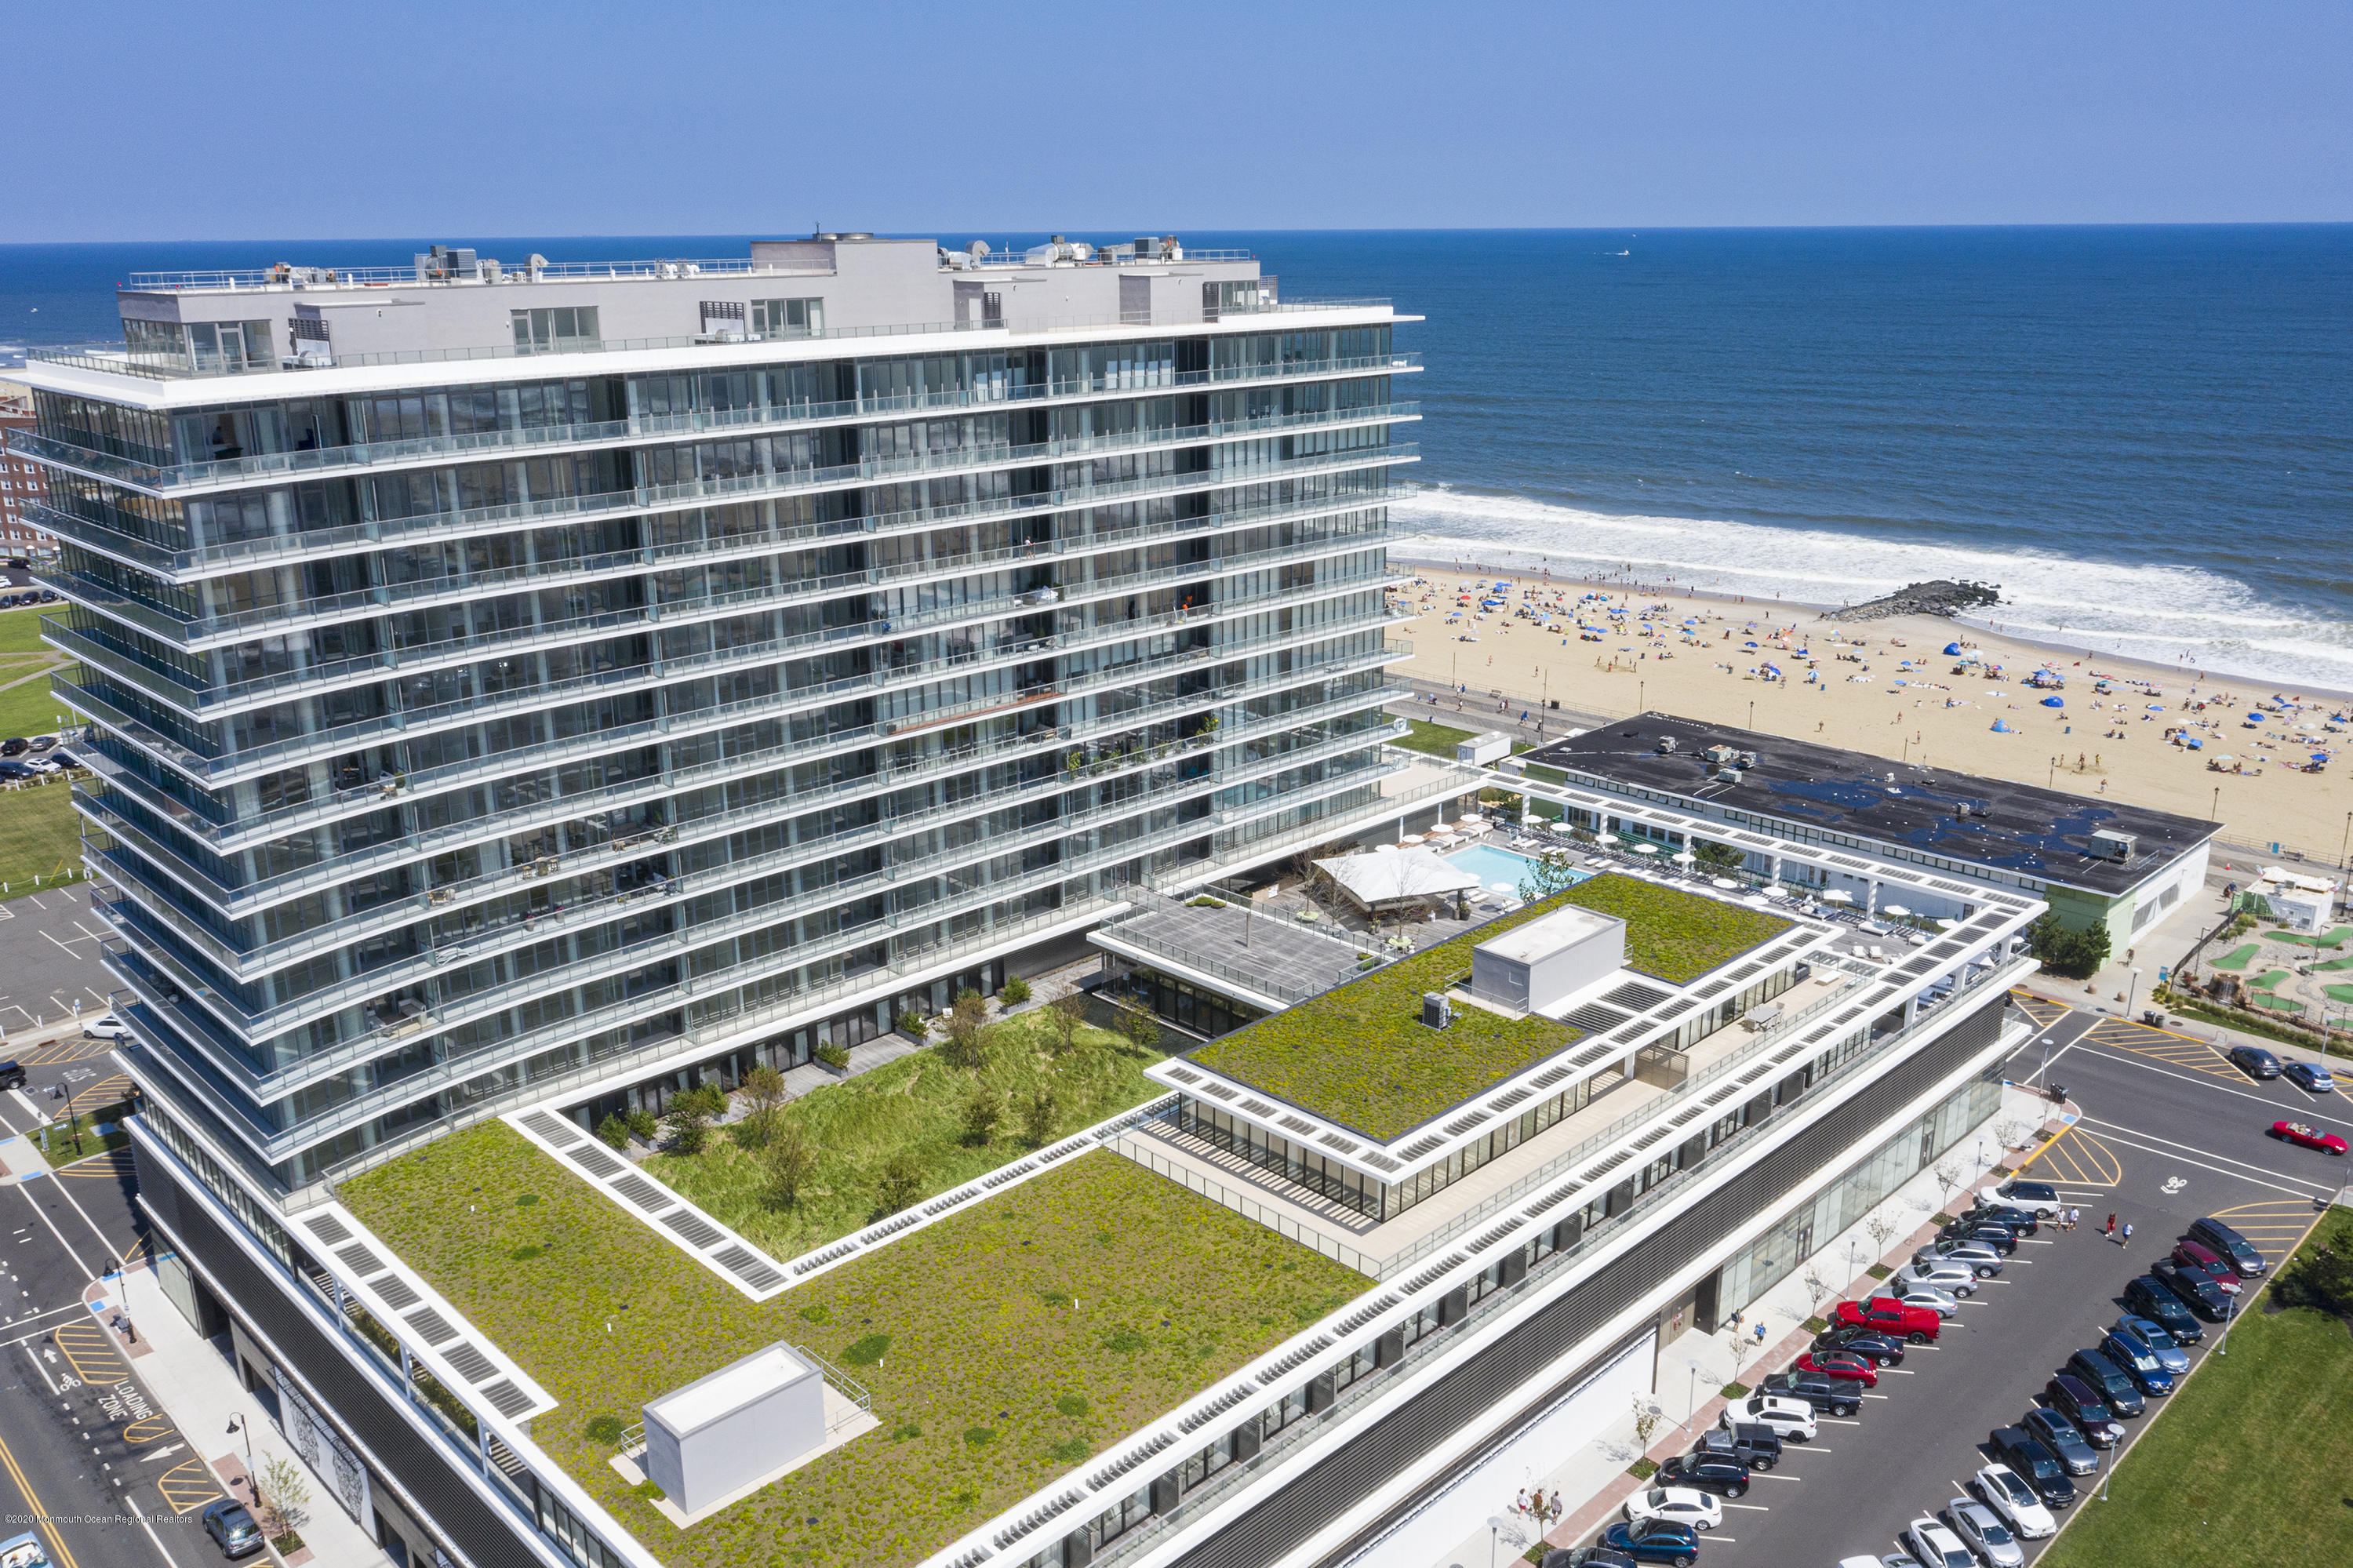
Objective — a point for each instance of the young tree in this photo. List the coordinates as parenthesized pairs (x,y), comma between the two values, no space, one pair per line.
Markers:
(614,1131)
(1038,1114)
(764,1087)
(964,1020)
(1718,857)
(285,1494)
(1949,1176)
(901,1184)
(1139,1028)
(786,1161)
(1741,1347)
(983,1109)
(1881,1228)
(1817,1288)
(2011,1132)
(690,1117)
(1647,1417)
(1063,1016)
(1551,871)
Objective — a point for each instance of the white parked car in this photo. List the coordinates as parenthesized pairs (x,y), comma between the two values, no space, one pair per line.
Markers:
(1955,1278)
(2010,1497)
(2040,1198)
(105,1026)
(1984,1533)
(1792,1420)
(1942,1303)
(1683,1505)
(1936,1546)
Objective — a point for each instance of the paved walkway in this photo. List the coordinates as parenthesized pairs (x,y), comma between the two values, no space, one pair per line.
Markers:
(196,1382)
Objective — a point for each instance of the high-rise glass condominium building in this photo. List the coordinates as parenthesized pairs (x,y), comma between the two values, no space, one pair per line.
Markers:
(513,679)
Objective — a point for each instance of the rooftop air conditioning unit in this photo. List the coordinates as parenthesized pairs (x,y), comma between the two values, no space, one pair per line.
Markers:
(1726,775)
(1437,1011)
(1666,746)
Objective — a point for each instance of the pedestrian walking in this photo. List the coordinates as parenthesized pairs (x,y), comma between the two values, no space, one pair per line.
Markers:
(2111,1231)
(2127,1240)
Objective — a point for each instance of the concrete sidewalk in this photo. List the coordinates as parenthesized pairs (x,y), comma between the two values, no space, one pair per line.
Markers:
(1592,1483)
(196,1381)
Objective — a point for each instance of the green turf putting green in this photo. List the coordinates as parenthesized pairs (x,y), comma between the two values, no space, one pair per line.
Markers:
(2338,992)
(2240,958)
(2330,964)
(2336,939)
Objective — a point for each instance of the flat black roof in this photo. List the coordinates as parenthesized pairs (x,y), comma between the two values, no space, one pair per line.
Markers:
(2021,828)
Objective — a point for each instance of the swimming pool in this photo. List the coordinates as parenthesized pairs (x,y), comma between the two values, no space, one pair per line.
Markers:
(1493,865)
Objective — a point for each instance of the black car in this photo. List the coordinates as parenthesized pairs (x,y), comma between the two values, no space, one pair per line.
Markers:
(2058,1433)
(232,1529)
(2221,1240)
(12,1075)
(2254,1061)
(2148,1296)
(1718,1473)
(1833,1395)
(2194,1289)
(1758,1447)
(2019,1222)
(1885,1350)
(1654,1541)
(15,746)
(2108,1381)
(2086,1411)
(1969,1228)
(16,770)
(2035,1465)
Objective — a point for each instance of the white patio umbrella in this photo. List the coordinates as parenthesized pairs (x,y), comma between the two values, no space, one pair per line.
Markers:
(1948,923)
(1646,849)
(1778,891)
(1838,896)
(1684,857)
(1895,909)
(1410,839)
(1385,849)
(1726,881)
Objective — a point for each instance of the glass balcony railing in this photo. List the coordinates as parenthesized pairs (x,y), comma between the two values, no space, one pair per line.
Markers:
(197,633)
(230,472)
(137,967)
(193,564)
(200,703)
(215,766)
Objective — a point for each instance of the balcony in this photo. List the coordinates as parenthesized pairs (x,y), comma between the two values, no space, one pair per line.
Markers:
(211,766)
(204,703)
(193,564)
(163,478)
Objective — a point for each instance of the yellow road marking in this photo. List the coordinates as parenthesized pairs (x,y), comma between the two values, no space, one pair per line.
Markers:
(60,1052)
(188,1485)
(147,1429)
(2082,1161)
(91,1353)
(64,1557)
(2042,1010)
(111,1166)
(2162,1045)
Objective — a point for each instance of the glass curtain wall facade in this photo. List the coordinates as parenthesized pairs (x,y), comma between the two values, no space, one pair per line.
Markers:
(1782,1251)
(457,741)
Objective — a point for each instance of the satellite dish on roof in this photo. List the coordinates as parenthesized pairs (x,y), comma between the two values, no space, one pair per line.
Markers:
(977,250)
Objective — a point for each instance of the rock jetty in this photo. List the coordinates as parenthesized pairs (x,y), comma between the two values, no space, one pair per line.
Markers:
(1939,597)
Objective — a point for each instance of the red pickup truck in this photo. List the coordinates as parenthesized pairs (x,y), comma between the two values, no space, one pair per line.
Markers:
(1918,1325)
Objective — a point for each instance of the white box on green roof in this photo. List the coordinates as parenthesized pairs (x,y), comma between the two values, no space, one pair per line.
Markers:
(724,1431)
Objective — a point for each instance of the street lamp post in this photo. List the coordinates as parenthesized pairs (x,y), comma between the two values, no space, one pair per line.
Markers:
(2132,990)
(2230,1316)
(1691,1397)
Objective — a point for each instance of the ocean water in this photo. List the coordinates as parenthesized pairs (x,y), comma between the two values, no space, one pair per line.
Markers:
(2144,435)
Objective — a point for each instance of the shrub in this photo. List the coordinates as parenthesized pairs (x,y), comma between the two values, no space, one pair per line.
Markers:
(614,1131)
(2321,1279)
(983,1109)
(650,1490)
(1735,1391)
(606,1429)
(838,1056)
(911,1024)
(1139,1028)
(1718,857)
(764,1087)
(901,1183)
(1073,1405)
(785,1163)
(1014,992)
(963,1046)
(868,1351)
(1038,1114)
(641,1123)
(1641,1469)
(690,1117)
(1071,1452)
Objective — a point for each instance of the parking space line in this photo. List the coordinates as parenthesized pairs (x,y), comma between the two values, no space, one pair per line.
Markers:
(2313,1191)
(1752,1507)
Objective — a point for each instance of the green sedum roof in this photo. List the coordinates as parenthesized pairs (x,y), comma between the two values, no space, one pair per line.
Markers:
(1004,1345)
(1358,1055)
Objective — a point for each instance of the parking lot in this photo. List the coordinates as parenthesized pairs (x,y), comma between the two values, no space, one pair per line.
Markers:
(2169,1131)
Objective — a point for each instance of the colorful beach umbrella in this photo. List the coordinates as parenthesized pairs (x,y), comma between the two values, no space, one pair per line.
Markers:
(2055,701)
(1953,649)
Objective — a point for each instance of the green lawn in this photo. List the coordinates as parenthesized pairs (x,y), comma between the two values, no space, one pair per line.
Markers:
(915,1105)
(39,835)
(2251,1458)
(1003,1346)
(20,630)
(1437,739)
(1359,1054)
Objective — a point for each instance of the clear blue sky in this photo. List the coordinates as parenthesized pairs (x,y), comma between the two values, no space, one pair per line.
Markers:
(145,121)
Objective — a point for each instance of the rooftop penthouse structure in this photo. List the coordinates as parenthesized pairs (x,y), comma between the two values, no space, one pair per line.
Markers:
(514,679)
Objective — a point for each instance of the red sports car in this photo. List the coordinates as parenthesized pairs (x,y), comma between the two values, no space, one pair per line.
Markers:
(1841,1364)
(2310,1136)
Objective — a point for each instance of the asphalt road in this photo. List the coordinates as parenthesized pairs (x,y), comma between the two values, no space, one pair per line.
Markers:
(2168,1131)
(48,961)
(86,1455)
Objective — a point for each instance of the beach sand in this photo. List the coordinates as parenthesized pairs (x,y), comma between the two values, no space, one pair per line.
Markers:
(2116,736)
